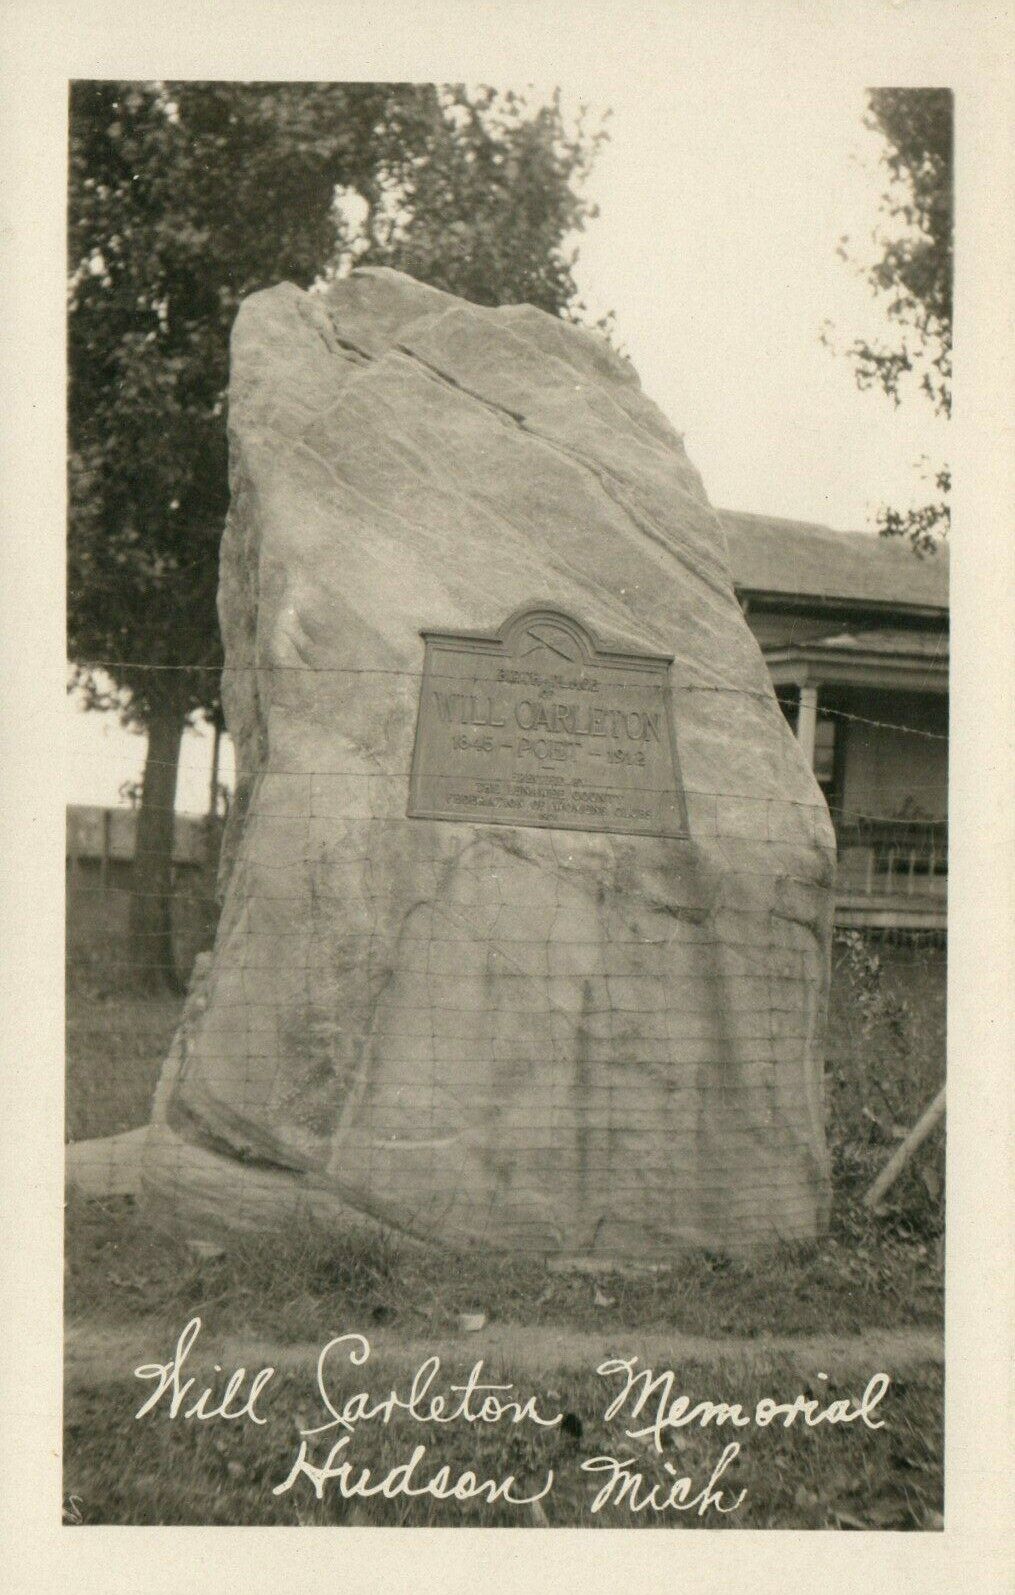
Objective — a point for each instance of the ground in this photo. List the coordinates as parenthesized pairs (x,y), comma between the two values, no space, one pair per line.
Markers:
(816,1320)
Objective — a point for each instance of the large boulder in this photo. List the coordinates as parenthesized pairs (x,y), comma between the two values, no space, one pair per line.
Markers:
(581,1014)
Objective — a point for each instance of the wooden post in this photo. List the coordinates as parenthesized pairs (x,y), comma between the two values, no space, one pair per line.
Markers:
(72,850)
(107,822)
(901,1156)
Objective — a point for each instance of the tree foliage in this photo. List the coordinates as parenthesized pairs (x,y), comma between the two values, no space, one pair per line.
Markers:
(183,199)
(912,274)
(485,208)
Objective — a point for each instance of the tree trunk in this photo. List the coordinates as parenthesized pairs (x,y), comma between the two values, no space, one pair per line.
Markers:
(152,965)
(213,827)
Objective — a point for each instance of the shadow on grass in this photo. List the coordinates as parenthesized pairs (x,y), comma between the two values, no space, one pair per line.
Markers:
(290,1288)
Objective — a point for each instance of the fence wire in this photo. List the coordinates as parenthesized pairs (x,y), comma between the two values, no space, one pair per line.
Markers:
(296,1007)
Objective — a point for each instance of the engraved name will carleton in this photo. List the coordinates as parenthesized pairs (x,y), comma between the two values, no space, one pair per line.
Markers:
(539,724)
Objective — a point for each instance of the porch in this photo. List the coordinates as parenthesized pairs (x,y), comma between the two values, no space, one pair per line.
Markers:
(892,874)
(871,713)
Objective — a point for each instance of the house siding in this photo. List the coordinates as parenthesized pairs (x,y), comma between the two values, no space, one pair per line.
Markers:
(884,771)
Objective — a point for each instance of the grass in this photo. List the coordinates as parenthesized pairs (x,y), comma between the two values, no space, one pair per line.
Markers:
(886,1060)
(115,1046)
(119,1269)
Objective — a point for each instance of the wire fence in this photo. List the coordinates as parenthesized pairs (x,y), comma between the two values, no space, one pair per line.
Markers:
(480,1039)
(880,854)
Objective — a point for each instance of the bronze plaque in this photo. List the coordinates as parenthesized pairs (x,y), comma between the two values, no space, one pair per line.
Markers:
(537,724)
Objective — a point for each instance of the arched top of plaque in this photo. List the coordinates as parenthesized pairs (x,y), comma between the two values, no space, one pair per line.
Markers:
(536,626)
(540,723)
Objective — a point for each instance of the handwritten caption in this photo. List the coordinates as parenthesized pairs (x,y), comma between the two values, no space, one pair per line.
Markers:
(647,1408)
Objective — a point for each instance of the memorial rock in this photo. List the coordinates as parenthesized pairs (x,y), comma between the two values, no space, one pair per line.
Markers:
(527,887)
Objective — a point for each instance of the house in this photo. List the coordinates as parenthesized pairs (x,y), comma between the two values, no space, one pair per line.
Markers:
(854,630)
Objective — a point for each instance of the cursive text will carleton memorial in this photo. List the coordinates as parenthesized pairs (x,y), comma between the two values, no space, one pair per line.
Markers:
(527,888)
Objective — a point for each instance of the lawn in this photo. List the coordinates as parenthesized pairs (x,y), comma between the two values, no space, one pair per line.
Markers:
(115,1046)
(867,1297)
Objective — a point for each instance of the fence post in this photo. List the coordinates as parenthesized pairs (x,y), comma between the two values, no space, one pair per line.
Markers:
(107,820)
(72,857)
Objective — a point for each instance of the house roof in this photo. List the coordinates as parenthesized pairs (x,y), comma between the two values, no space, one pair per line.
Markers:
(930,645)
(800,559)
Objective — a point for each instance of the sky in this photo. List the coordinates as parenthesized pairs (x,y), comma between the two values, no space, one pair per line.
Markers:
(716,249)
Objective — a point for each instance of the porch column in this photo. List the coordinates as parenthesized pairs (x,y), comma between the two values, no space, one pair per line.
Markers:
(807,722)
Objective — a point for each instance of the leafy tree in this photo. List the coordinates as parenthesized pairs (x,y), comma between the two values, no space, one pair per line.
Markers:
(913,275)
(485,208)
(183,199)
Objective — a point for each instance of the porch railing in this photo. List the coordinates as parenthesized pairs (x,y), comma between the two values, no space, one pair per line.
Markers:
(891,858)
